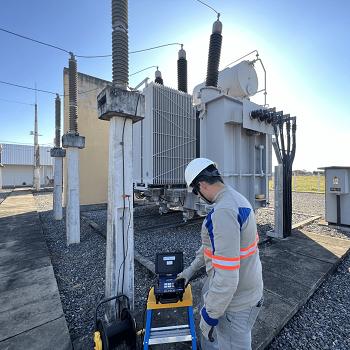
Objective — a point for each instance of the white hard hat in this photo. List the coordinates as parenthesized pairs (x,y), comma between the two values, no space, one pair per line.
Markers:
(195,167)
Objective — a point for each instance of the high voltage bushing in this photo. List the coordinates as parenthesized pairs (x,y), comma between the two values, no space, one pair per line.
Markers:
(120,13)
(214,54)
(182,71)
(120,45)
(57,121)
(158,77)
(73,95)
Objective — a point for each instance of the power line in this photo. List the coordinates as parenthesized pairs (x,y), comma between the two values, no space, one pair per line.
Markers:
(25,144)
(130,52)
(142,70)
(19,102)
(154,47)
(39,90)
(203,3)
(34,40)
(27,87)
(81,56)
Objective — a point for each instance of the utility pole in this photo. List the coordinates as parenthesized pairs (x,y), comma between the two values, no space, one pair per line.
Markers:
(36,179)
(1,166)
(58,153)
(72,141)
(121,108)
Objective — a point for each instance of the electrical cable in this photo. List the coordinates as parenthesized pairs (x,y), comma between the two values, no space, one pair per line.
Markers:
(81,56)
(203,3)
(39,90)
(34,40)
(13,101)
(142,70)
(28,88)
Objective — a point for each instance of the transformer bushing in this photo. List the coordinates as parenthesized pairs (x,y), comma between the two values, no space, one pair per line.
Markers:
(182,71)
(214,54)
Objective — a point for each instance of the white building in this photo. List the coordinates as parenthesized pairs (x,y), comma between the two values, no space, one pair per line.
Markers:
(18,162)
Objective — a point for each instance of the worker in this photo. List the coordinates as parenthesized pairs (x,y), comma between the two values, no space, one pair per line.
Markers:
(233,292)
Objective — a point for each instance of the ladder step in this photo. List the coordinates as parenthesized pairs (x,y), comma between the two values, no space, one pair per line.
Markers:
(173,334)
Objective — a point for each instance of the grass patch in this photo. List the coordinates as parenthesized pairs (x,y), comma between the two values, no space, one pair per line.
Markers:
(300,183)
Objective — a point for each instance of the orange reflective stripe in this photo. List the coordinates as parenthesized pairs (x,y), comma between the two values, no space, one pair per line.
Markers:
(208,253)
(249,254)
(223,267)
(252,245)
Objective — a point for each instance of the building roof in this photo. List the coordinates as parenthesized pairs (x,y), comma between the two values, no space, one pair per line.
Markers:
(335,167)
(13,154)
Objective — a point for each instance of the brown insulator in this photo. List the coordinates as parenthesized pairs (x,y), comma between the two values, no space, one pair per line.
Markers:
(73,95)
(57,121)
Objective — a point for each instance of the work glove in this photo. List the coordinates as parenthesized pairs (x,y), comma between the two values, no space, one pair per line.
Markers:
(207,325)
(186,275)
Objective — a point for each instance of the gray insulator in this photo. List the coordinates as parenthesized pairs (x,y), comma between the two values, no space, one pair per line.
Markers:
(182,74)
(182,53)
(120,57)
(217,27)
(57,122)
(120,13)
(73,95)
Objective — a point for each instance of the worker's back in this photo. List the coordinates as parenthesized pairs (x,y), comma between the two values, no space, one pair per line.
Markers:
(230,239)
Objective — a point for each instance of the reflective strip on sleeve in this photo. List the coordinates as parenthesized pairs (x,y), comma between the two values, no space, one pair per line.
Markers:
(251,249)
(222,262)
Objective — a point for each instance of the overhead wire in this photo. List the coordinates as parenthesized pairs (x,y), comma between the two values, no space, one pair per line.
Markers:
(142,70)
(205,4)
(19,102)
(28,88)
(82,56)
(34,40)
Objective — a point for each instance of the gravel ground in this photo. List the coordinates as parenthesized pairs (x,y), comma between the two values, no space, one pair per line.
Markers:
(186,239)
(306,203)
(324,321)
(4,194)
(80,269)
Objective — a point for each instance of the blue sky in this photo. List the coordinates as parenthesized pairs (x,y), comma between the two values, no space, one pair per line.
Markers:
(303,44)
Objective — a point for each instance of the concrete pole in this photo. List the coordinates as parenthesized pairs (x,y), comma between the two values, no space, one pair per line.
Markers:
(278,187)
(318,182)
(58,153)
(120,228)
(120,107)
(36,179)
(1,166)
(57,190)
(72,141)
